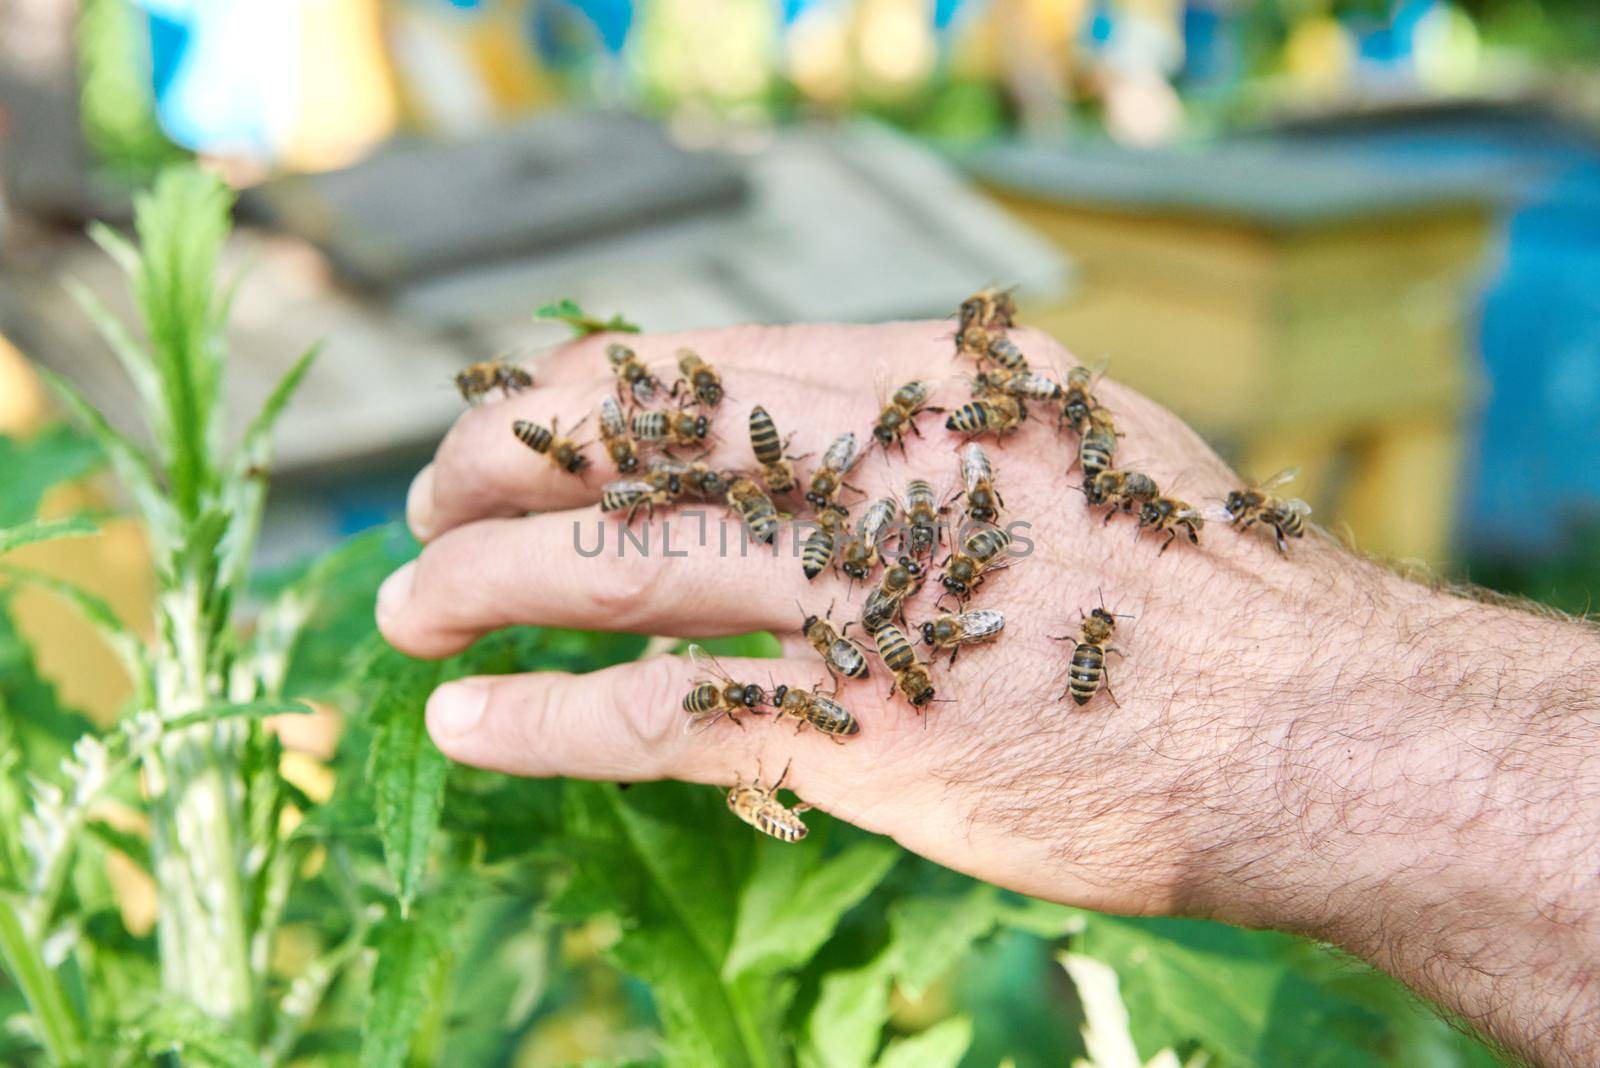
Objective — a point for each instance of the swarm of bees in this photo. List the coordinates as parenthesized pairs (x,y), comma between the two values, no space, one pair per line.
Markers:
(659,443)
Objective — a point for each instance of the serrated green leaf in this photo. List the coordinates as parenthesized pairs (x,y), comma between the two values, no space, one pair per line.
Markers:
(42,728)
(182,223)
(845,1025)
(119,339)
(793,900)
(582,323)
(40,530)
(170,1028)
(132,466)
(409,952)
(247,487)
(57,454)
(665,858)
(1186,981)
(118,637)
(407,772)
(940,1046)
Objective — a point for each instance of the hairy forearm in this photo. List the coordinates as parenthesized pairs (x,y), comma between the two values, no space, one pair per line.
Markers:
(1434,806)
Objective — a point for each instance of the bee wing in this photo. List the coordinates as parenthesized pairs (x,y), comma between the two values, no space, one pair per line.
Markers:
(980,624)
(1288,474)
(1097,369)
(703,722)
(612,423)
(842,454)
(1217,513)
(706,662)
(668,464)
(880,515)
(1296,505)
(628,485)
(975,465)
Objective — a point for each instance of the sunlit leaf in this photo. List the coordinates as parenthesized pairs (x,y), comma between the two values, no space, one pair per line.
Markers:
(793,900)
(409,955)
(406,770)
(940,1046)
(31,466)
(582,323)
(38,530)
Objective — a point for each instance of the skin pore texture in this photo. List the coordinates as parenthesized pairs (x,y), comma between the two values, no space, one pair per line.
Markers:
(1308,742)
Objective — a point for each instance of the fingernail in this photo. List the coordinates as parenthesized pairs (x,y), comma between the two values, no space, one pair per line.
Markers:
(419,504)
(456,707)
(395,591)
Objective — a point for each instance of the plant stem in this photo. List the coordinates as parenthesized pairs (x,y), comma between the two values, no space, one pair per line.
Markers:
(195,843)
(55,1016)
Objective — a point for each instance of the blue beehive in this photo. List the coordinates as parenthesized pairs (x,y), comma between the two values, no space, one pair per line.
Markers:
(1534,455)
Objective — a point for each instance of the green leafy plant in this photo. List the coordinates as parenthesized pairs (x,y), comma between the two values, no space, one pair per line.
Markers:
(582,323)
(371,904)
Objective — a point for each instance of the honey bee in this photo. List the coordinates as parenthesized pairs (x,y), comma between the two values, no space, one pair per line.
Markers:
(1171,515)
(817,552)
(977,475)
(702,379)
(777,466)
(922,517)
(815,709)
(969,628)
(694,478)
(993,309)
(760,808)
(827,481)
(973,340)
(1087,675)
(754,508)
(979,553)
(900,415)
(1000,413)
(1097,449)
(719,696)
(886,601)
(1123,491)
(1003,351)
(632,373)
(1078,401)
(1023,385)
(862,550)
(481,379)
(614,436)
(911,676)
(632,494)
(670,428)
(563,452)
(1287,518)
(840,654)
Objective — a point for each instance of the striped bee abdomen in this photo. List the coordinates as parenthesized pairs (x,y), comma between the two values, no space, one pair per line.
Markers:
(532,435)
(1087,672)
(764,438)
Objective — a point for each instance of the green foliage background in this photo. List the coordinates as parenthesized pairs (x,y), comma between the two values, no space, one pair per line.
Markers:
(425,913)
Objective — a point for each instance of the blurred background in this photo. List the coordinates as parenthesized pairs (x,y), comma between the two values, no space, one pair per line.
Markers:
(1360,236)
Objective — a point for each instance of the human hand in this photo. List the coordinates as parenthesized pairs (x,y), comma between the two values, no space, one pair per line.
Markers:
(1100,805)
(1290,734)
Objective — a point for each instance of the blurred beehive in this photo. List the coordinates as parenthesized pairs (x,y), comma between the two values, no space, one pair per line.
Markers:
(1296,311)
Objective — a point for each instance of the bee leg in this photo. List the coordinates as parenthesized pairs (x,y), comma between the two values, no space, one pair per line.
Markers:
(802,807)
(1105,684)
(1283,544)
(1172,536)
(953,654)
